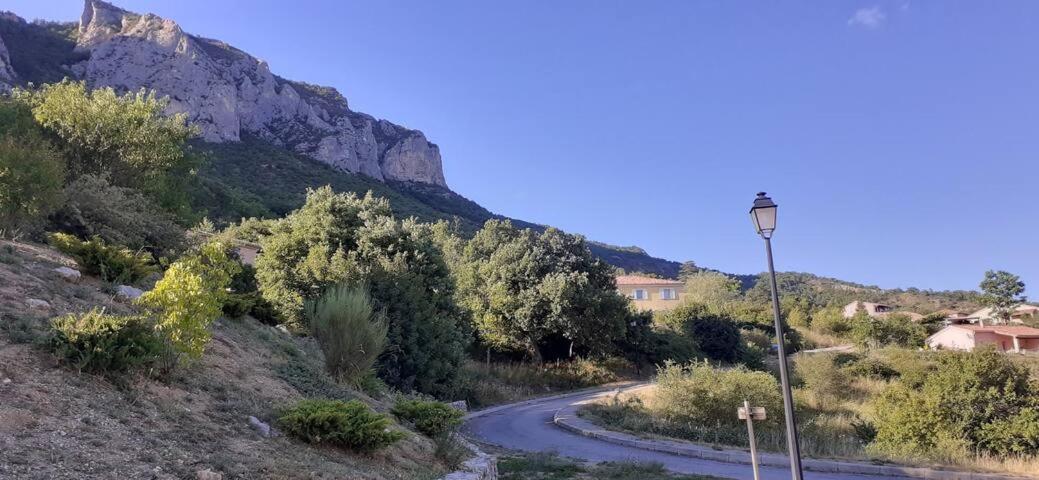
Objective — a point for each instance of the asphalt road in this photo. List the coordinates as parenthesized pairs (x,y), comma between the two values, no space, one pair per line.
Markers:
(530,428)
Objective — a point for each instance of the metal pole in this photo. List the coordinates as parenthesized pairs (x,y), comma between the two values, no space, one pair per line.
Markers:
(788,398)
(753,441)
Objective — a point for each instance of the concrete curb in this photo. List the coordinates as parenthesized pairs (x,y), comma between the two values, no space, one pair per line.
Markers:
(567,419)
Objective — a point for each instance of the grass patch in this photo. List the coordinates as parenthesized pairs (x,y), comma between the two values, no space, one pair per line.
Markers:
(497,383)
(547,466)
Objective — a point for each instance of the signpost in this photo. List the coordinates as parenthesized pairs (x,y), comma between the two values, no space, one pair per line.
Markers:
(750,414)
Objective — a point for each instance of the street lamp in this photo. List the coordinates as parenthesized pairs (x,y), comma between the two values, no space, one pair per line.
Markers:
(763,214)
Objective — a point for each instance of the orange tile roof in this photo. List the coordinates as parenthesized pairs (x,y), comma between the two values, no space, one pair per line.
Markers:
(640,280)
(1012,330)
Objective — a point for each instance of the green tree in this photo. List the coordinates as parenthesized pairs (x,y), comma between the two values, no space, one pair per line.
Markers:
(717,335)
(1002,291)
(31,171)
(713,289)
(523,288)
(341,238)
(128,137)
(895,329)
(187,300)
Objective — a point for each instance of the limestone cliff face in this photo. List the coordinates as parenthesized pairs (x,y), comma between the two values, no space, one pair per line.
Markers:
(227,92)
(7,75)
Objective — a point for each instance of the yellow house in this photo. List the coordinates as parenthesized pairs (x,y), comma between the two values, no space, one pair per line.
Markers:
(649,293)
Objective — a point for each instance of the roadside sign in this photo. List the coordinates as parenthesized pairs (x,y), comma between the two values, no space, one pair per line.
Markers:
(756,413)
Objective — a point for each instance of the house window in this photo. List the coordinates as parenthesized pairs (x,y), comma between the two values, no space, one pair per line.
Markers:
(640,294)
(667,294)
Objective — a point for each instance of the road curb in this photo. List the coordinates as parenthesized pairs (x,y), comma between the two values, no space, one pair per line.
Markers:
(602,388)
(567,419)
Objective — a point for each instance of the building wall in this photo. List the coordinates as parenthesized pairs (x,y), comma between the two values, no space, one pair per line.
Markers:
(654,302)
(1002,342)
(951,338)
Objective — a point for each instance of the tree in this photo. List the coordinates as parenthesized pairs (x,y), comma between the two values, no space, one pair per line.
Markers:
(717,335)
(524,289)
(687,269)
(128,137)
(1002,291)
(31,171)
(342,238)
(713,289)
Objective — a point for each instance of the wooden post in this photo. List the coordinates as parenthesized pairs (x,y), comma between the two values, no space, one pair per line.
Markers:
(751,414)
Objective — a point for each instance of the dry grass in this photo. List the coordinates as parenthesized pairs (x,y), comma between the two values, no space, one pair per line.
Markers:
(497,383)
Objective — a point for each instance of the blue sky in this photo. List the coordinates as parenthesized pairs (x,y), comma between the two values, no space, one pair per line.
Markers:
(899,138)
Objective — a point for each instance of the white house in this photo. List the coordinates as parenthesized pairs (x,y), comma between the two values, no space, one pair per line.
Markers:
(1006,338)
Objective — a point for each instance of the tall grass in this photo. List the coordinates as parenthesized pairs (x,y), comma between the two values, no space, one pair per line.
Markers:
(494,383)
(350,332)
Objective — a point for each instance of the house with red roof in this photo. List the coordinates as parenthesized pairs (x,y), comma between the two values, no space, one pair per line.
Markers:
(648,293)
(1006,338)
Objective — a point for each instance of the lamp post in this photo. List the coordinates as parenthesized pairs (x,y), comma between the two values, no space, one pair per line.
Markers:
(763,214)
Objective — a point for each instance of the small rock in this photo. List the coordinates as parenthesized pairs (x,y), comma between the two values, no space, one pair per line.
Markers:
(264,430)
(208,474)
(126,292)
(37,304)
(69,274)
(6,381)
(282,329)
(460,406)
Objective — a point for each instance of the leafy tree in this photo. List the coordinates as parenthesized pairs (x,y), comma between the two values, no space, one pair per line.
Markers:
(128,137)
(31,171)
(687,270)
(1002,291)
(713,289)
(188,298)
(717,335)
(523,289)
(341,238)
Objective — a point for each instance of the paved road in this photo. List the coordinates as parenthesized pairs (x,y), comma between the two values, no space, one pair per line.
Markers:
(529,428)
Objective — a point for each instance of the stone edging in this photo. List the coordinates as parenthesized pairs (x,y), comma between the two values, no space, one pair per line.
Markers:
(481,467)
(567,419)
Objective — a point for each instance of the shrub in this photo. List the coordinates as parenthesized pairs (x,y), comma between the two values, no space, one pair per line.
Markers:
(31,176)
(898,330)
(703,395)
(870,368)
(119,215)
(111,263)
(97,342)
(238,305)
(717,336)
(351,425)
(831,321)
(351,334)
(431,418)
(976,401)
(189,297)
(821,374)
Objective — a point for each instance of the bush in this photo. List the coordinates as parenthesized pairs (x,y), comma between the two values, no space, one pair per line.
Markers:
(189,297)
(871,368)
(111,263)
(351,425)
(238,305)
(431,418)
(31,175)
(976,401)
(351,334)
(97,342)
(896,330)
(821,374)
(717,336)
(831,321)
(119,215)
(702,395)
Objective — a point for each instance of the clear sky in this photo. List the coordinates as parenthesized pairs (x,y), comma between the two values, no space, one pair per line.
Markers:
(898,137)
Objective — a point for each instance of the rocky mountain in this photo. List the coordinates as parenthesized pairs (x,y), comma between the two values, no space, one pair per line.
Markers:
(267,138)
(228,92)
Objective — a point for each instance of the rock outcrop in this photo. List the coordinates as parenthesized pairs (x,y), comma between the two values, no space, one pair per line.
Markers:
(7,75)
(228,93)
